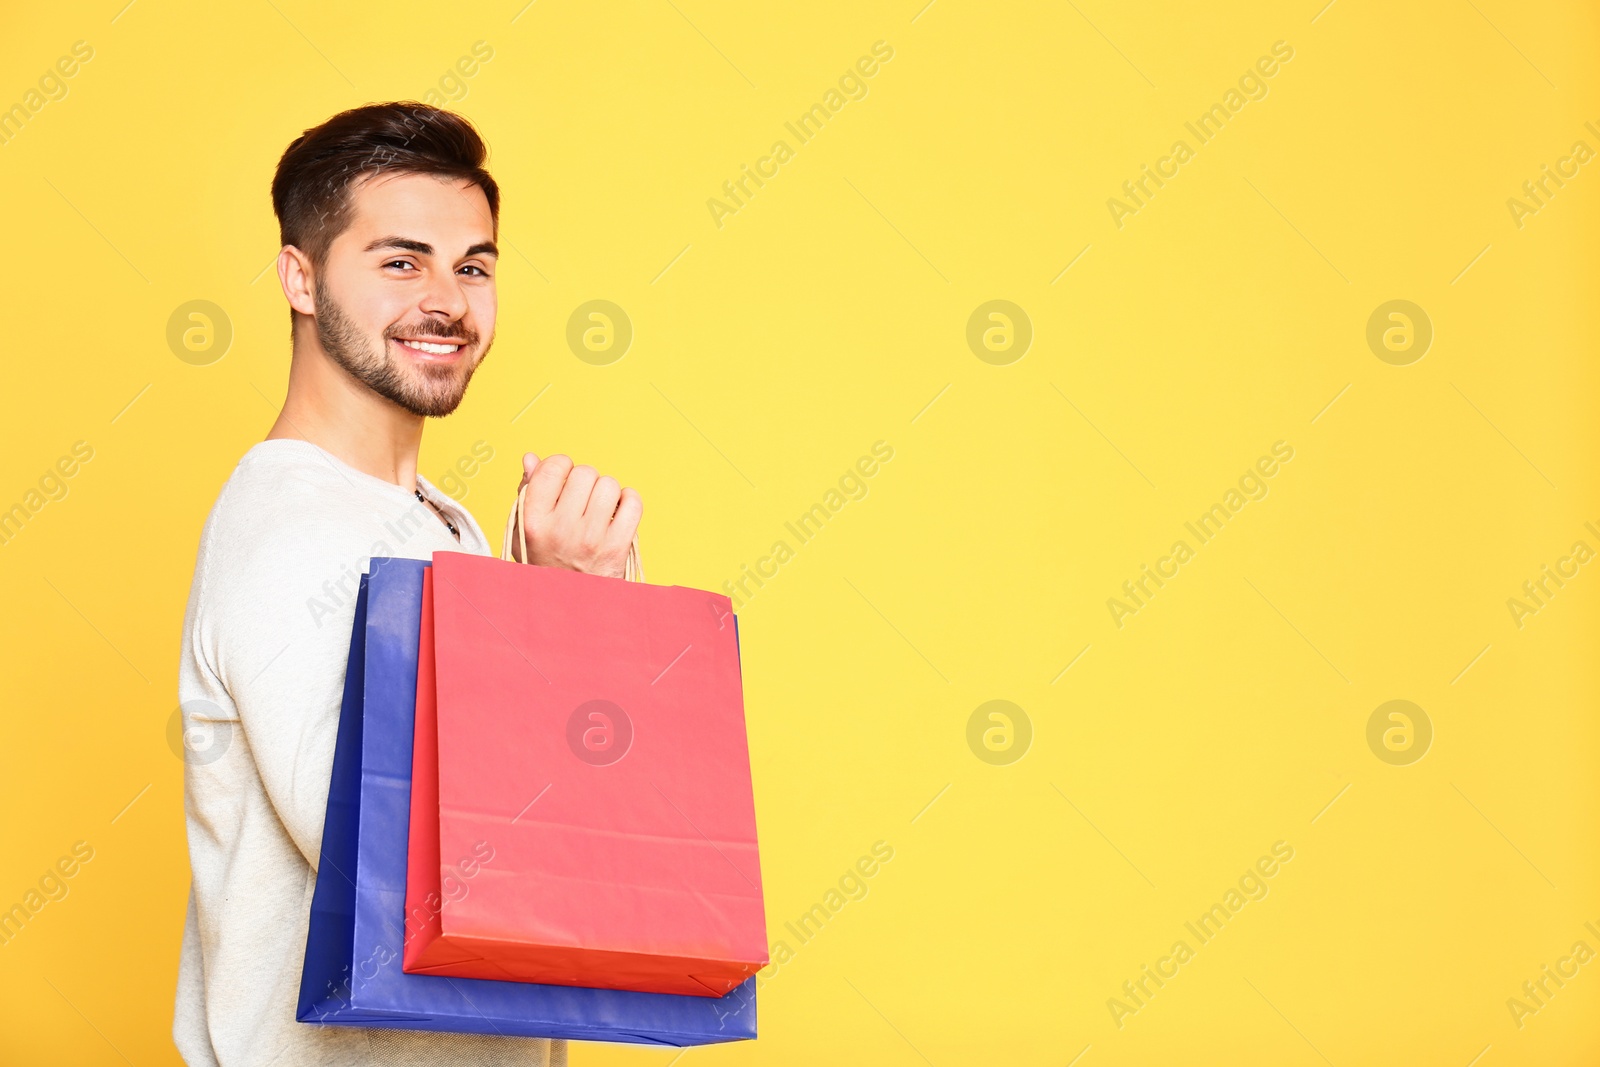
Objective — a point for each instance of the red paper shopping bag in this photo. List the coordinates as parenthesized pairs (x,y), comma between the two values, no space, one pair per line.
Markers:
(582,810)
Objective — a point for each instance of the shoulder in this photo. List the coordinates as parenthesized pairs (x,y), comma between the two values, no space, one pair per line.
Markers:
(285,542)
(278,566)
(281,505)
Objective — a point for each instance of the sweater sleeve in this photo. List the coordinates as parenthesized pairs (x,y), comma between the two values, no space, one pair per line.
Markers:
(273,628)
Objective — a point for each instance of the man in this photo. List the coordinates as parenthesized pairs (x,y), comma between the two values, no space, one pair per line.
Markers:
(388,223)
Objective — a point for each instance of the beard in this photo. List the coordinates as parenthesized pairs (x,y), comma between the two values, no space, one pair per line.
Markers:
(431,390)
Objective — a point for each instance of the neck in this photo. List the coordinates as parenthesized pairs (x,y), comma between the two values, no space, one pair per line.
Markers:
(334,411)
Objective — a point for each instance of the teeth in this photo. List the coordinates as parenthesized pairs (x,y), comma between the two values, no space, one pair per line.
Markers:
(432,349)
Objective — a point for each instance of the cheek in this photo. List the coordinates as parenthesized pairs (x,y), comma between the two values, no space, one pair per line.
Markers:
(369,307)
(485,306)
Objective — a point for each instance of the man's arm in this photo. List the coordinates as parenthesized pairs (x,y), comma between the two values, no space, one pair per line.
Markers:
(272,636)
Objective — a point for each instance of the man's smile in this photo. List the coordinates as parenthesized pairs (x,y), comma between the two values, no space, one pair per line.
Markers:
(432,351)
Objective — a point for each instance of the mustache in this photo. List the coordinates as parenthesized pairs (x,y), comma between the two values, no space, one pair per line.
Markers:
(452,331)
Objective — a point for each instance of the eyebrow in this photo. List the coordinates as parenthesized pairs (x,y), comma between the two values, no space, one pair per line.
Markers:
(422,248)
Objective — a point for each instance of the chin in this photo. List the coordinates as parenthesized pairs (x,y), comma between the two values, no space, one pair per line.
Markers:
(439,394)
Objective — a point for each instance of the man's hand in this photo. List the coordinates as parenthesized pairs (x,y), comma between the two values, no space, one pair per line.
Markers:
(576,519)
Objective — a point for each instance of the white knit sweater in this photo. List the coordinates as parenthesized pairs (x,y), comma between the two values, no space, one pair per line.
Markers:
(261,675)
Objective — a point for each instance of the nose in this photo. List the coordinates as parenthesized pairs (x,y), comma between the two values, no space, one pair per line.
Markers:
(444,297)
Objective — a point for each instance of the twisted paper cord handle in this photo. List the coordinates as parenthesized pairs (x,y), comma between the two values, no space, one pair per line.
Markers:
(517,529)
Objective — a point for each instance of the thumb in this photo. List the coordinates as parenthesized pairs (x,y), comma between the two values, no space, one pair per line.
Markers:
(529,462)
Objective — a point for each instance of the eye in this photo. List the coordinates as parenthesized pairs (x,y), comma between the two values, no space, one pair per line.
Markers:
(473,266)
(400,263)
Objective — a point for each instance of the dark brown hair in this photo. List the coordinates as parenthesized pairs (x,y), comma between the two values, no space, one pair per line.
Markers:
(311,192)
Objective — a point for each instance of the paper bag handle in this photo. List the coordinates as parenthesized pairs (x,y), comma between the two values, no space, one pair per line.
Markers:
(517,528)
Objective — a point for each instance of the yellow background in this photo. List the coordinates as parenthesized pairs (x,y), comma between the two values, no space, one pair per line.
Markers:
(1226,315)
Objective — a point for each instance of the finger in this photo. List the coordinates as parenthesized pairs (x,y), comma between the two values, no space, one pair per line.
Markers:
(529,462)
(603,500)
(629,510)
(544,487)
(575,495)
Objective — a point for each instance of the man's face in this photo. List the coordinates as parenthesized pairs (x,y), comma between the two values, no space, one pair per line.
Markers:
(415,268)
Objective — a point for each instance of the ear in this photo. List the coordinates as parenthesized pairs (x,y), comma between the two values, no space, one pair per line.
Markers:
(295,274)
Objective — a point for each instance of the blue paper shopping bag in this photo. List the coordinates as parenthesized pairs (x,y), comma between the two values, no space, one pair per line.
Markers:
(352,974)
